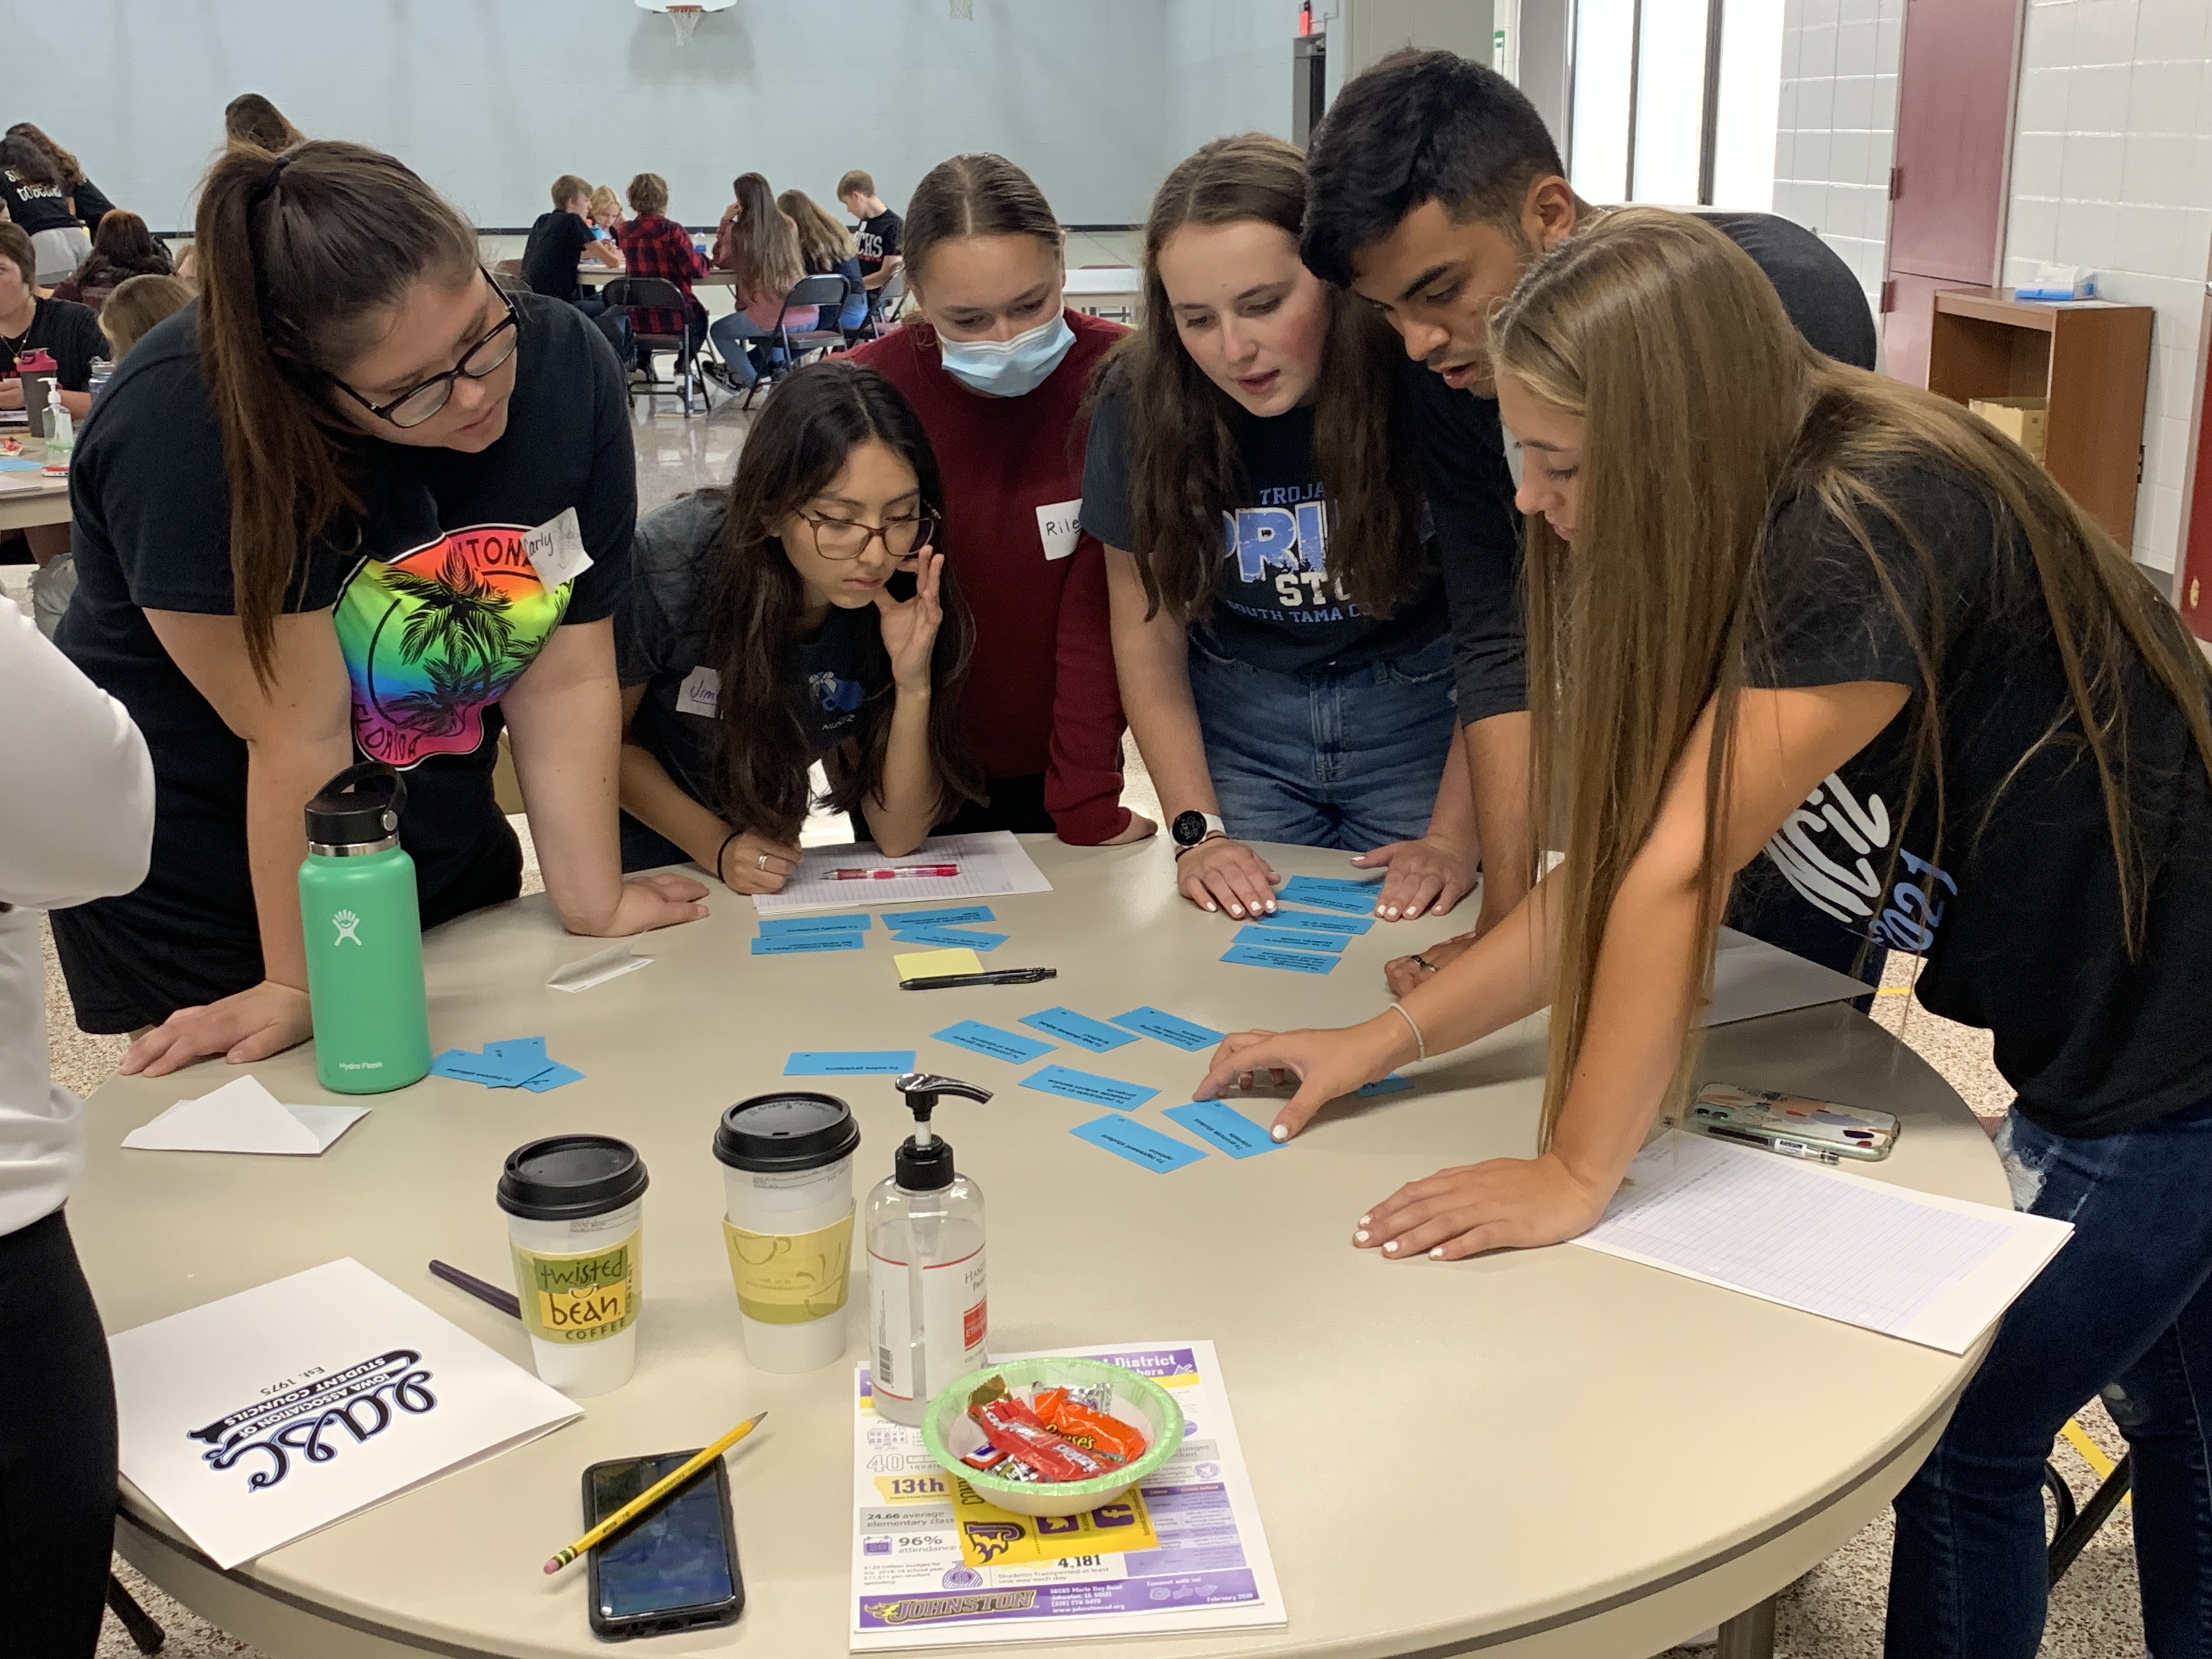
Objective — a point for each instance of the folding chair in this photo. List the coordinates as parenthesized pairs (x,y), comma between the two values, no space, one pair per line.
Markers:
(145,1635)
(2074,1530)
(635,294)
(826,291)
(890,300)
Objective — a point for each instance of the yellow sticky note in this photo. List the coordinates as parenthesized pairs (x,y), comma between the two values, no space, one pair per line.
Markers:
(935,964)
(991,1536)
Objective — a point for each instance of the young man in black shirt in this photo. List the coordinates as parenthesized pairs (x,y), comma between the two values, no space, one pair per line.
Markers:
(559,243)
(878,232)
(1431,187)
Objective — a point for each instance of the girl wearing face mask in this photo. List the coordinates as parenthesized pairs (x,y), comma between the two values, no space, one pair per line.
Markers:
(805,613)
(1278,621)
(300,523)
(996,367)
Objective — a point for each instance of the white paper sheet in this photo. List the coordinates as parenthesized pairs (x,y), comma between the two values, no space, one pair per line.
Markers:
(263,1417)
(1212,1571)
(597,968)
(242,1116)
(1933,1270)
(1752,977)
(990,864)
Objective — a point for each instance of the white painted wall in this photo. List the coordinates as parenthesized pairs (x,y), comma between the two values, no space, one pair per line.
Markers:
(491,98)
(1228,70)
(2112,169)
(1838,124)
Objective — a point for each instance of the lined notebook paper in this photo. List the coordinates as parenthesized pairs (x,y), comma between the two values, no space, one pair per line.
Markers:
(1937,1271)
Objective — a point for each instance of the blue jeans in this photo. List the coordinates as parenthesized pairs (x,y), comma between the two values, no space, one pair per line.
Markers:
(2124,1307)
(1348,758)
(732,336)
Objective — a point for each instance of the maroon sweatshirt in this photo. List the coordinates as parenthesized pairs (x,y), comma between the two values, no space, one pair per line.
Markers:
(1041,694)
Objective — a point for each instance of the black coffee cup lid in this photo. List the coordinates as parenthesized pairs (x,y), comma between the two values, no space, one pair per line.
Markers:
(786,1134)
(570,1178)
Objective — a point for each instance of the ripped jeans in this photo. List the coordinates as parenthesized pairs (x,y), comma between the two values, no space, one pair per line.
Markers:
(2124,1307)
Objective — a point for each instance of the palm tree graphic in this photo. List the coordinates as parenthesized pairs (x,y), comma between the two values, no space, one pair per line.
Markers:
(456,613)
(456,689)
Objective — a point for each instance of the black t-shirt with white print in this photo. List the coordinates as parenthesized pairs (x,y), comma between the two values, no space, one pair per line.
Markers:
(2016,907)
(437,607)
(877,240)
(1276,605)
(662,642)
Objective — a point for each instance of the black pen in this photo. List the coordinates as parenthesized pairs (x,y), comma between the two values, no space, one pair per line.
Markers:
(505,1301)
(996,976)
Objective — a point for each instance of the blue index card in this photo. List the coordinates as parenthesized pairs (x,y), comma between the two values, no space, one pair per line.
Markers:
(552,1077)
(990,1040)
(1292,939)
(1261,956)
(1353,898)
(946,915)
(1187,1035)
(784,944)
(1225,1128)
(1089,1086)
(1080,1029)
(1124,1138)
(525,1055)
(948,936)
(476,1068)
(1384,1086)
(849,1062)
(1306,921)
(856,923)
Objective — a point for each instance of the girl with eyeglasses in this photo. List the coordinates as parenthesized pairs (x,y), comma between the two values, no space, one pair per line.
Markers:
(805,613)
(304,512)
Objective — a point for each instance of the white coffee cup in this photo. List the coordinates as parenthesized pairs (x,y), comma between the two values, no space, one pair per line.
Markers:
(788,1222)
(575,1231)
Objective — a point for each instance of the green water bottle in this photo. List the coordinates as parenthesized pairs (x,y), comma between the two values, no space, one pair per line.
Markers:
(364,936)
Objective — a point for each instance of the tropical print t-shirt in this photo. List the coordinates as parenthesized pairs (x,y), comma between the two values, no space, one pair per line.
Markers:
(435,603)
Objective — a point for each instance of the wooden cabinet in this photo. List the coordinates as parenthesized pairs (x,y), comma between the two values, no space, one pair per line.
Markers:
(2089,358)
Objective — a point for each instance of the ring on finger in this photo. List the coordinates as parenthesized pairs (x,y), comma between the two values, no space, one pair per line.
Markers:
(1422,963)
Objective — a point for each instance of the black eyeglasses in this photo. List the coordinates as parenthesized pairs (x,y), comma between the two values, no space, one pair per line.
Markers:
(845,539)
(419,402)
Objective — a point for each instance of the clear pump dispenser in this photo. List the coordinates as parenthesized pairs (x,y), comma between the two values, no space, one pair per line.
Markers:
(927,1312)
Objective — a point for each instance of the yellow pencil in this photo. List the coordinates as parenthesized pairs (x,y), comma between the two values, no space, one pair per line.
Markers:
(653,1495)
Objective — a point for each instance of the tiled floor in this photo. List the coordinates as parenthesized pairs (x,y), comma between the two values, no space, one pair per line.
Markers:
(1834,1613)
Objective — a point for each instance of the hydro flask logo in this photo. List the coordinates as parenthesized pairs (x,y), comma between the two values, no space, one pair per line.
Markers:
(346,922)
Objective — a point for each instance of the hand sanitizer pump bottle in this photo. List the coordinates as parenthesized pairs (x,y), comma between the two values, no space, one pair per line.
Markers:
(928,1315)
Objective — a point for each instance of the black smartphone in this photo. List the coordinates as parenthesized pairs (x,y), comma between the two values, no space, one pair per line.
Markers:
(676,1568)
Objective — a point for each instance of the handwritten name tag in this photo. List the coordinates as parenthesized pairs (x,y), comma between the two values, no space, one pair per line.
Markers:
(701,693)
(1060,525)
(556,549)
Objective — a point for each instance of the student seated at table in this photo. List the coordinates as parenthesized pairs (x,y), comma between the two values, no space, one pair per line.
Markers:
(299,540)
(607,214)
(808,613)
(1279,626)
(877,234)
(826,248)
(757,243)
(39,196)
(653,245)
(996,365)
(559,242)
(67,331)
(136,304)
(1779,603)
(250,118)
(121,248)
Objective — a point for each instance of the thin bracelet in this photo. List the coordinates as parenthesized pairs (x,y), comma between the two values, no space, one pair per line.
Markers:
(1420,1043)
(1211,835)
(722,852)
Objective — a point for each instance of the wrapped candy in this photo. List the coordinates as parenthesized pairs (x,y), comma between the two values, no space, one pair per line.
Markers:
(1081,1417)
(1014,1429)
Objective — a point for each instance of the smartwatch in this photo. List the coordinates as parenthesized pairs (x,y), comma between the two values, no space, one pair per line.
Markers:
(1191,828)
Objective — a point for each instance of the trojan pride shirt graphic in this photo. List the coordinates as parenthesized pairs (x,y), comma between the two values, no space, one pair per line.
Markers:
(431,638)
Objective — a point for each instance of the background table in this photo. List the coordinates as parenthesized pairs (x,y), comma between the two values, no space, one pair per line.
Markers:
(27,499)
(1551,1452)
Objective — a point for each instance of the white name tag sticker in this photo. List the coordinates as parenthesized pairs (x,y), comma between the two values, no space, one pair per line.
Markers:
(556,549)
(701,693)
(1060,524)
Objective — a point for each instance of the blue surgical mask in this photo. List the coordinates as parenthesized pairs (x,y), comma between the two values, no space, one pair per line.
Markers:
(1009,368)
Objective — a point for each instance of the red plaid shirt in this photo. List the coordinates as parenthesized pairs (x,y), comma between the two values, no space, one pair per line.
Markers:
(655,245)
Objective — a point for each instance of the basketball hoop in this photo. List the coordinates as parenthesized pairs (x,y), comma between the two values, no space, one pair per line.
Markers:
(685,13)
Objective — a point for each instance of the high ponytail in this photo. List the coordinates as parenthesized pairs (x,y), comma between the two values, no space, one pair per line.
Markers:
(300,258)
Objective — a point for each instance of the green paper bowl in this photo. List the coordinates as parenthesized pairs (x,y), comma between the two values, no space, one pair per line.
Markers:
(950,1433)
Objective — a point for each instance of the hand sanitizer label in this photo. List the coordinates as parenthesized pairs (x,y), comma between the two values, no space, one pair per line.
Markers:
(955,1319)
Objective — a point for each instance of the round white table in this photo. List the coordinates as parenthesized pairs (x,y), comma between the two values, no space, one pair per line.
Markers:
(1552,1452)
(30,499)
